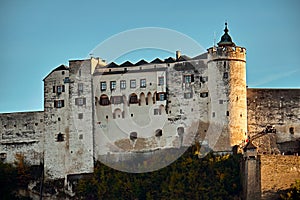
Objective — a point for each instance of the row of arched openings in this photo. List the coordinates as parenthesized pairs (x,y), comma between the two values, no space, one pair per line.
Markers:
(133,98)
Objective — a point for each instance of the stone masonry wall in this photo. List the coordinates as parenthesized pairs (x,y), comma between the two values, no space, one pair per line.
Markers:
(278,173)
(21,133)
(278,107)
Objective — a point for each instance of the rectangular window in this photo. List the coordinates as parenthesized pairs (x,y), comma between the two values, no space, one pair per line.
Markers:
(59,103)
(204,94)
(80,115)
(161,80)
(103,86)
(188,95)
(113,85)
(220,101)
(117,100)
(80,101)
(157,111)
(132,83)
(60,89)
(123,84)
(161,96)
(143,83)
(213,114)
(189,78)
(227,113)
(80,88)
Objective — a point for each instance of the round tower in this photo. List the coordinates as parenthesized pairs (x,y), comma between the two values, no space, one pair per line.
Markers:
(227,88)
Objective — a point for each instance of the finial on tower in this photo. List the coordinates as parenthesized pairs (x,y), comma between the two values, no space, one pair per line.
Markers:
(226,39)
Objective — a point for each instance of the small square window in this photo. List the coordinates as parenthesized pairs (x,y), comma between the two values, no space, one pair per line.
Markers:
(157,111)
(80,115)
(80,136)
(220,101)
(103,86)
(80,101)
(143,83)
(188,95)
(132,83)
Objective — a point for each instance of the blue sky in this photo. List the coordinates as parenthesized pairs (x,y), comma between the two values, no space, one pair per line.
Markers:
(37,36)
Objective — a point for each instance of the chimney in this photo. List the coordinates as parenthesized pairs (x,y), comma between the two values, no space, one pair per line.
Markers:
(178,54)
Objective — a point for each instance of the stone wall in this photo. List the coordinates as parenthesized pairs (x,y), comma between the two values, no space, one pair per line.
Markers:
(22,133)
(278,107)
(278,173)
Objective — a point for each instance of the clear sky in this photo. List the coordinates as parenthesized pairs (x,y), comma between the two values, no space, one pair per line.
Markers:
(37,36)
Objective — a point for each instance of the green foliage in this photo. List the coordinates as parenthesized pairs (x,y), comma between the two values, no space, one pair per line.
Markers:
(213,177)
(293,193)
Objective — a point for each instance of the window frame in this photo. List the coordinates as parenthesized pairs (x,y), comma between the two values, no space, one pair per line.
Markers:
(122,84)
(133,83)
(143,83)
(103,86)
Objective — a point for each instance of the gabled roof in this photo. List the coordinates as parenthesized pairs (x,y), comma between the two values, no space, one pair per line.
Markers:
(59,68)
(157,61)
(126,64)
(170,60)
(141,62)
(112,65)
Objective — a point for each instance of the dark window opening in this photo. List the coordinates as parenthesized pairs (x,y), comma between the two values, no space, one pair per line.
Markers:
(213,114)
(58,119)
(220,101)
(80,115)
(106,117)
(292,130)
(60,137)
(227,113)
(81,136)
(158,133)
(131,115)
(133,135)
(180,131)
(204,94)
(225,75)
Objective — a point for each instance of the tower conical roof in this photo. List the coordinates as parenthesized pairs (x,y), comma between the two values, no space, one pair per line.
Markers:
(226,39)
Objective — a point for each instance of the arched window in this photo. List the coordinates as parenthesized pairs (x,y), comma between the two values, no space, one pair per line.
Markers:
(104,100)
(142,99)
(133,99)
(149,99)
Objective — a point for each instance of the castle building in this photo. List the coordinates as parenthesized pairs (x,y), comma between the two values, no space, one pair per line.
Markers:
(93,109)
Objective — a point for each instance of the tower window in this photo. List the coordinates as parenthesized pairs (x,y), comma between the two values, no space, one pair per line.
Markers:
(227,113)
(60,137)
(225,75)
(292,130)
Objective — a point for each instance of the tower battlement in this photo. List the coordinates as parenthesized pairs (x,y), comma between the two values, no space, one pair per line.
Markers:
(227,53)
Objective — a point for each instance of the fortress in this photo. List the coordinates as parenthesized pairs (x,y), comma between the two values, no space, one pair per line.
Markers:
(93,109)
